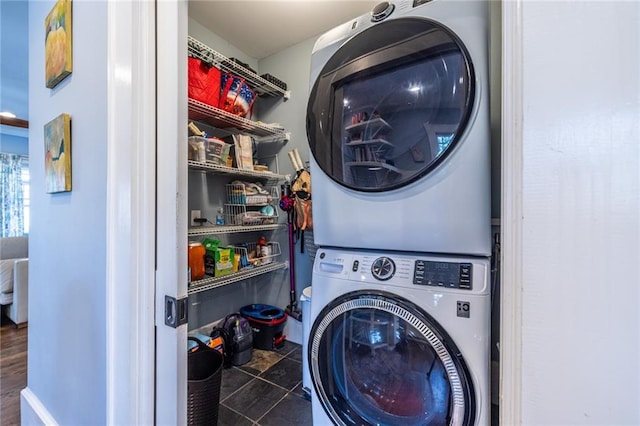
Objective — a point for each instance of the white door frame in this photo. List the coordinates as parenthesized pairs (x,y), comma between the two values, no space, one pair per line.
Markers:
(146,211)
(131,199)
(171,208)
(511,215)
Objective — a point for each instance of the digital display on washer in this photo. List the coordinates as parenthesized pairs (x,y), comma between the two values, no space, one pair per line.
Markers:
(443,274)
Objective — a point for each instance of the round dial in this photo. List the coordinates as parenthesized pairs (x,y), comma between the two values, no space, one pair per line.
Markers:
(381,11)
(383,268)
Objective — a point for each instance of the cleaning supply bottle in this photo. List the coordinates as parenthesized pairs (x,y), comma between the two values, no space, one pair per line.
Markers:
(261,247)
(220,217)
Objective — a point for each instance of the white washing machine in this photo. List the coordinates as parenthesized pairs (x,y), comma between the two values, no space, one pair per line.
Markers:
(398,129)
(399,339)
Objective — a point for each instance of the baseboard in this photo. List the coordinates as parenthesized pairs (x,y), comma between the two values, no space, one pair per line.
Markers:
(32,411)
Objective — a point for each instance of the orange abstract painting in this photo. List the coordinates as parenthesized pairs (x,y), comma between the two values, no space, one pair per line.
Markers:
(57,47)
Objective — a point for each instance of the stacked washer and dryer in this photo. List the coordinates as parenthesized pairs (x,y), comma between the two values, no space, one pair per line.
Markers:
(398,129)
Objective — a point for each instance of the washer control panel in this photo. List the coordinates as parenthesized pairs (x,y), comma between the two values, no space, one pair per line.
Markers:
(443,274)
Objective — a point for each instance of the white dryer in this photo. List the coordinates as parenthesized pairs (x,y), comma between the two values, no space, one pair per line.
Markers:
(399,339)
(398,129)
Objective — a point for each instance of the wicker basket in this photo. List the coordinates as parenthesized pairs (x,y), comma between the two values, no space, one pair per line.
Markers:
(204,370)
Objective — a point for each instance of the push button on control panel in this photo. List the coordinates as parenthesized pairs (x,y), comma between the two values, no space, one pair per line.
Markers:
(354,268)
(418,273)
(465,276)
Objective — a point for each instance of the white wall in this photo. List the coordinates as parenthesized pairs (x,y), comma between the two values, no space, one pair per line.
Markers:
(581,286)
(67,329)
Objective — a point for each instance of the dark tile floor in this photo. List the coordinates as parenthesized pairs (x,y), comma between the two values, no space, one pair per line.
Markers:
(268,391)
(265,391)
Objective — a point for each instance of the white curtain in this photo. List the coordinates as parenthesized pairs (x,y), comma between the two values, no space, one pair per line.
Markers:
(11,196)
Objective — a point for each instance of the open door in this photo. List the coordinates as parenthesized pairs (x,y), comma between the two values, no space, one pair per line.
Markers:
(171,212)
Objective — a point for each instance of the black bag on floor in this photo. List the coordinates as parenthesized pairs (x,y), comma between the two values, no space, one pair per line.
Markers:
(238,339)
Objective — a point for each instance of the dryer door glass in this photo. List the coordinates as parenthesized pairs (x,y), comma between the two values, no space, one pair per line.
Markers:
(379,359)
(390,104)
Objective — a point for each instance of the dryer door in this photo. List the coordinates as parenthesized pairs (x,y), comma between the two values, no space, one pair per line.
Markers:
(378,359)
(390,104)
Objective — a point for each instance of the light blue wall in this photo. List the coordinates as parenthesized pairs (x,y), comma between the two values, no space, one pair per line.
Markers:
(67,268)
(14,63)
(203,35)
(10,144)
(292,66)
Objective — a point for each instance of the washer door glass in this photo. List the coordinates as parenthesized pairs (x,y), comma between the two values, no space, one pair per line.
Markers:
(390,104)
(378,359)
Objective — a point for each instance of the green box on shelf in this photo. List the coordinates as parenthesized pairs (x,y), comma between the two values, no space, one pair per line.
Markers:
(218,261)
(223,261)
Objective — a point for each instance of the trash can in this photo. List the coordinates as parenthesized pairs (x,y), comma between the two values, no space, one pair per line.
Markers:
(305,305)
(204,372)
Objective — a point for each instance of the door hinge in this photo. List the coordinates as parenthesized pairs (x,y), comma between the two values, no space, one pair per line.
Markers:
(175,311)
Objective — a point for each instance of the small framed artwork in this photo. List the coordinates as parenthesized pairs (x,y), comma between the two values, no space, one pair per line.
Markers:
(57,154)
(57,43)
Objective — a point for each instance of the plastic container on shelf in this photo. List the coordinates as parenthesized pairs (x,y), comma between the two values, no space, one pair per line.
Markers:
(209,150)
(196,260)
(220,216)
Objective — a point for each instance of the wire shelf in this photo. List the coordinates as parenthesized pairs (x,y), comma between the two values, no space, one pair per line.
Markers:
(251,256)
(217,168)
(219,118)
(251,194)
(211,283)
(203,231)
(261,86)
(251,204)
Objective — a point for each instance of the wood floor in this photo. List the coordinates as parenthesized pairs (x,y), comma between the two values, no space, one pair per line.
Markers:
(13,370)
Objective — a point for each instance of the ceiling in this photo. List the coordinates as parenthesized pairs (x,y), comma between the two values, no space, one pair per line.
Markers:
(259,28)
(262,28)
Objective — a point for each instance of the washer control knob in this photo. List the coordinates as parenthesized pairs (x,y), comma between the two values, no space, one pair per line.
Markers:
(383,268)
(381,11)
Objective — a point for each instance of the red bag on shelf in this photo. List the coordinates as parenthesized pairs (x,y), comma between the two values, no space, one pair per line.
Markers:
(204,82)
(237,97)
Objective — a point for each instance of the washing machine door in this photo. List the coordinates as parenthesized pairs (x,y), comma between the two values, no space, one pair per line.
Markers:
(377,359)
(391,104)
